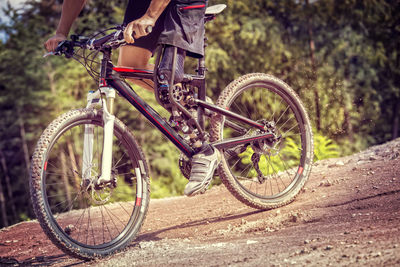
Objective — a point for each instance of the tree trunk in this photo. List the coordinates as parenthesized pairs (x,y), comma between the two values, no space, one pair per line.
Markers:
(3,206)
(26,154)
(8,186)
(347,126)
(23,140)
(50,75)
(395,124)
(313,69)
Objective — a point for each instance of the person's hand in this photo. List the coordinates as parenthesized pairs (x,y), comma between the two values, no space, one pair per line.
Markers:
(138,28)
(52,43)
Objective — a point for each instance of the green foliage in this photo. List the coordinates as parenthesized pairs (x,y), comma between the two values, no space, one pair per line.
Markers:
(124,192)
(287,157)
(325,148)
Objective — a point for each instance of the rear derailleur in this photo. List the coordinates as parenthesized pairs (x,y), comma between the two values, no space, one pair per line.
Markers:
(268,147)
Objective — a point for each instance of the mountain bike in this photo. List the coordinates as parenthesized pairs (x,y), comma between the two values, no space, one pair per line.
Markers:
(89,178)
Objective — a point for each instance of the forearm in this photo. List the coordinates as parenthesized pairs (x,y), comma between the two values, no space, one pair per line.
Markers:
(70,11)
(156,8)
(138,28)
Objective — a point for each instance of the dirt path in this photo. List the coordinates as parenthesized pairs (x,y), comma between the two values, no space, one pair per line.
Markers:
(348,213)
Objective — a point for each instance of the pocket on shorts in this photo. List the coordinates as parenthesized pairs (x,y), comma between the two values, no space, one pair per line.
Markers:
(192,19)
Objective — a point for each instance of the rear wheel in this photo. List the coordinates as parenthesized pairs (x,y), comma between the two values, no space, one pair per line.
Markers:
(83,219)
(270,173)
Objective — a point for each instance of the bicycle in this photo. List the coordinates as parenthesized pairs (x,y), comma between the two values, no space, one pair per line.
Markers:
(87,163)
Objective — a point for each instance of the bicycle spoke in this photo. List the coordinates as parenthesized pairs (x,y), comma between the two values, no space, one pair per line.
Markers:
(289,135)
(282,115)
(104,222)
(238,108)
(94,239)
(108,212)
(245,169)
(124,208)
(124,164)
(273,114)
(115,164)
(233,166)
(87,229)
(78,221)
(285,123)
(290,129)
(287,168)
(274,173)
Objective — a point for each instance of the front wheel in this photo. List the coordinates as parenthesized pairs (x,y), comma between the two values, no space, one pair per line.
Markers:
(81,218)
(269,173)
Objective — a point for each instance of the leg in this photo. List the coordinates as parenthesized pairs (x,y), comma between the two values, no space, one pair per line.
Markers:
(138,58)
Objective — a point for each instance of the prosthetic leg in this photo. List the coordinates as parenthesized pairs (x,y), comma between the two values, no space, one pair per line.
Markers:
(168,78)
(173,95)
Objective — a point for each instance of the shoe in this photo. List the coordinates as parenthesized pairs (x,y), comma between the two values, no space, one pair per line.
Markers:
(202,171)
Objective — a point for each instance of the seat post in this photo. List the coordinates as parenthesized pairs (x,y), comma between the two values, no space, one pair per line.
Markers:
(201,65)
(201,70)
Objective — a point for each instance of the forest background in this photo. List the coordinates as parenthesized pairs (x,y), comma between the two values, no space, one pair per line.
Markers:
(340,56)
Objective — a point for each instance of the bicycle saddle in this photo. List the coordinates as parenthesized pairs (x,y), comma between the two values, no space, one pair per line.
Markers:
(214,10)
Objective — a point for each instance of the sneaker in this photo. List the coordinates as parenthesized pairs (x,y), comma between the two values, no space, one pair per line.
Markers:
(202,171)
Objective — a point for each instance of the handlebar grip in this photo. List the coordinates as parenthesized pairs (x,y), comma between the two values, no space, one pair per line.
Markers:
(65,47)
(149,29)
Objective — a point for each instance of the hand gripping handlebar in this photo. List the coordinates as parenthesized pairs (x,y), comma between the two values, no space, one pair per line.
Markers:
(113,40)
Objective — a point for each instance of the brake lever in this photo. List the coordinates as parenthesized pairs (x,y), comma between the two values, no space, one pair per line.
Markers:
(48,54)
(51,54)
(118,39)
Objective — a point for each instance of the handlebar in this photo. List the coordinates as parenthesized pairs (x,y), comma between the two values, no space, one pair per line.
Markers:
(112,40)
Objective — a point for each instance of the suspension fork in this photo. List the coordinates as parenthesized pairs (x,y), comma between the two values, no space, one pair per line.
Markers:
(108,130)
(108,119)
(93,98)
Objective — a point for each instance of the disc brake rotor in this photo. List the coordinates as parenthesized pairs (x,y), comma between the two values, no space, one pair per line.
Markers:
(100,194)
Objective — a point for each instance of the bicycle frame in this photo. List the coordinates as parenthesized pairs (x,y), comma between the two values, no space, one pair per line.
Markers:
(111,79)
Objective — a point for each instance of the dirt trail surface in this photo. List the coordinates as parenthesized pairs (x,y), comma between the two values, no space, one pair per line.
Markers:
(347,214)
